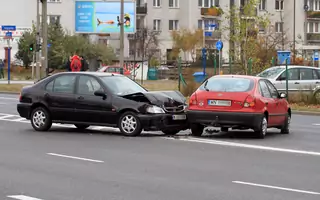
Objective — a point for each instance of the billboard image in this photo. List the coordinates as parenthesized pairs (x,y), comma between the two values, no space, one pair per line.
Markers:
(103,17)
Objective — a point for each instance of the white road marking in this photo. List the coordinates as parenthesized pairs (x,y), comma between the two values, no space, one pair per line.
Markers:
(316,124)
(233,144)
(19,120)
(9,98)
(22,197)
(77,158)
(5,117)
(277,188)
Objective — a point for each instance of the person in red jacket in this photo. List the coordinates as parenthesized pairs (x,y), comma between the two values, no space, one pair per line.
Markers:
(75,63)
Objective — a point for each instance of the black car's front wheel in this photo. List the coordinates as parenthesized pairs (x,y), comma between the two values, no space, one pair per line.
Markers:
(129,124)
(40,119)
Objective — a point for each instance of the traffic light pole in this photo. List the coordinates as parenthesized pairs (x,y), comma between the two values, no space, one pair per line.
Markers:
(44,45)
(121,59)
(38,42)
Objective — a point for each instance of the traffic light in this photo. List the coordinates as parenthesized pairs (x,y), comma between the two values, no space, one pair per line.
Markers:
(38,47)
(31,47)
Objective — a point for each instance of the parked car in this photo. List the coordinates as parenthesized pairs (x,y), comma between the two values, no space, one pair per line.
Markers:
(103,99)
(301,78)
(238,102)
(115,70)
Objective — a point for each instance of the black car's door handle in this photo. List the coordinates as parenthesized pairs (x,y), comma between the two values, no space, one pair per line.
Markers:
(296,83)
(80,98)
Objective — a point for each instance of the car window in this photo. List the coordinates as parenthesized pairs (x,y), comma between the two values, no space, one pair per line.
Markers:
(87,85)
(316,74)
(272,72)
(306,74)
(293,74)
(264,89)
(227,84)
(111,70)
(121,85)
(62,84)
(273,91)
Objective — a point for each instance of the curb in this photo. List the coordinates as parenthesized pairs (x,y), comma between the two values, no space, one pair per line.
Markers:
(297,112)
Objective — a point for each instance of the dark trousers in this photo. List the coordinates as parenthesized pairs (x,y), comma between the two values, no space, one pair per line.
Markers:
(1,73)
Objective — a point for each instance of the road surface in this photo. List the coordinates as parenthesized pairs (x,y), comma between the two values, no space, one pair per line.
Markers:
(100,164)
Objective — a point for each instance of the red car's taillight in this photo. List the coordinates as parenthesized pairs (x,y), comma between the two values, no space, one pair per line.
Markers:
(249,102)
(192,100)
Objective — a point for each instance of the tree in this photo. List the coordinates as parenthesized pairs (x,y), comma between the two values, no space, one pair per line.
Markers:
(148,43)
(24,54)
(56,35)
(186,41)
(242,32)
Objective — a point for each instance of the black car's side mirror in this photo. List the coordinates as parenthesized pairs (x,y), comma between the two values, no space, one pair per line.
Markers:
(283,95)
(100,93)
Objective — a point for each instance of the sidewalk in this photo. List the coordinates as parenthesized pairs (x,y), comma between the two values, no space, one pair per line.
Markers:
(17,82)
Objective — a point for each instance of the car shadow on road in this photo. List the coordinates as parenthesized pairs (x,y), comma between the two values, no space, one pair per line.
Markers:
(235,135)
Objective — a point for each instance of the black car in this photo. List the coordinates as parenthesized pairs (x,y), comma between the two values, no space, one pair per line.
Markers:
(101,99)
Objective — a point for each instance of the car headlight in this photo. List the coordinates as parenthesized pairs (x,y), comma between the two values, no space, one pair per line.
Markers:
(155,109)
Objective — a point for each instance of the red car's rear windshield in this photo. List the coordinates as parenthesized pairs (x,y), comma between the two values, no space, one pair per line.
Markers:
(228,84)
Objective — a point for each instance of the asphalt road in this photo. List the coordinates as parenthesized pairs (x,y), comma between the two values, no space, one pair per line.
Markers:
(100,164)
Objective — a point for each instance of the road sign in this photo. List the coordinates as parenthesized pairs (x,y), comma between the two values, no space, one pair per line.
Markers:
(49,45)
(316,56)
(9,34)
(219,45)
(208,34)
(8,28)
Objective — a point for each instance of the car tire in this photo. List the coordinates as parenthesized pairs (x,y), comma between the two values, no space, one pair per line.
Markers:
(40,119)
(81,126)
(129,124)
(196,129)
(170,132)
(286,126)
(262,128)
(224,129)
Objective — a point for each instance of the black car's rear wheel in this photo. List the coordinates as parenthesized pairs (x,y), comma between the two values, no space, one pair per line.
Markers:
(170,132)
(81,126)
(196,129)
(129,124)
(41,119)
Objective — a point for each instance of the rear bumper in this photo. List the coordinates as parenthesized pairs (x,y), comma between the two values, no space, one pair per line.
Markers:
(157,122)
(225,119)
(24,110)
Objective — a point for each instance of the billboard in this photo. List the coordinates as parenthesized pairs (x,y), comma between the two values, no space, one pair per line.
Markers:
(103,17)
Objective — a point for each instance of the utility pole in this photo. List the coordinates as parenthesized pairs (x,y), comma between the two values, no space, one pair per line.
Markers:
(294,30)
(44,48)
(38,42)
(121,59)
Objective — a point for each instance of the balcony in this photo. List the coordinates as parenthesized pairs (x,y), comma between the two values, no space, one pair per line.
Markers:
(248,13)
(313,14)
(142,9)
(212,12)
(313,37)
(216,35)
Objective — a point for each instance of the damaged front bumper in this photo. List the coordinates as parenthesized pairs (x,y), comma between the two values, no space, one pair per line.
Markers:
(159,122)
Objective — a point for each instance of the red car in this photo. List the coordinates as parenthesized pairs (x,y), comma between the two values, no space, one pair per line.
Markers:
(116,70)
(238,102)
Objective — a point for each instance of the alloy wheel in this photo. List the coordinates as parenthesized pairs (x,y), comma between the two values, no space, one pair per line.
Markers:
(39,119)
(129,124)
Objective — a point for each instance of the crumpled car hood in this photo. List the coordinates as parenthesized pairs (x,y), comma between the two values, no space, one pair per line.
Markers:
(159,98)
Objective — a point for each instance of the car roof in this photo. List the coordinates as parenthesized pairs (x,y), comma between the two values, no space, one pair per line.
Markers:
(99,74)
(239,76)
(294,66)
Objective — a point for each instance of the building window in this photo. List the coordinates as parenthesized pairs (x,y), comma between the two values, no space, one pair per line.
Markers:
(52,19)
(207,24)
(157,24)
(208,3)
(173,3)
(314,5)
(156,3)
(279,5)
(313,27)
(279,27)
(262,5)
(173,25)
(54,1)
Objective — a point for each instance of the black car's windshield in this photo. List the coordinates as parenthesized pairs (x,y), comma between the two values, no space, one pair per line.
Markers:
(122,85)
(227,84)
(270,73)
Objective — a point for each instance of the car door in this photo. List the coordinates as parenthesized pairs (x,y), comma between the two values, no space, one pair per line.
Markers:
(293,81)
(270,103)
(279,113)
(60,98)
(91,108)
(308,77)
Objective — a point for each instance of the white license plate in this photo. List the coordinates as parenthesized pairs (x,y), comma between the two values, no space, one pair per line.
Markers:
(219,103)
(179,117)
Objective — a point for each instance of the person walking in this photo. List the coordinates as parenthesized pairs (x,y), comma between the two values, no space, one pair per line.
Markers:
(1,69)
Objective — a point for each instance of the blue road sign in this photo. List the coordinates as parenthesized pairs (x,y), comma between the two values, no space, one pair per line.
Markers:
(49,45)
(210,25)
(219,45)
(208,34)
(8,34)
(8,28)
(316,56)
